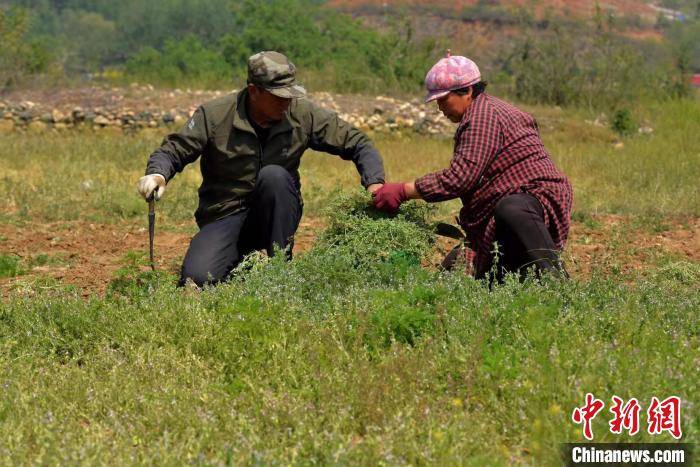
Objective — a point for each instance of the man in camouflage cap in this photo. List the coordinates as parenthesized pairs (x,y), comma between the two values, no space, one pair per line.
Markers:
(274,72)
(251,143)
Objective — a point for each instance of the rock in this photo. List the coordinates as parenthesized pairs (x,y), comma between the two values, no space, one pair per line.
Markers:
(101,120)
(152,124)
(618,145)
(6,126)
(179,120)
(168,118)
(46,118)
(37,127)
(78,114)
(645,130)
(57,116)
(60,126)
(25,116)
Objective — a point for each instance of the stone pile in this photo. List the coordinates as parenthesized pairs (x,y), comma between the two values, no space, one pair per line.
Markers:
(34,117)
(116,113)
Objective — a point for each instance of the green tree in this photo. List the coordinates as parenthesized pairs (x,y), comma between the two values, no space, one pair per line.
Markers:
(181,62)
(92,39)
(19,57)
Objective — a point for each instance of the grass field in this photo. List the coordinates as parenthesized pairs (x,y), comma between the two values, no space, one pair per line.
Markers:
(358,351)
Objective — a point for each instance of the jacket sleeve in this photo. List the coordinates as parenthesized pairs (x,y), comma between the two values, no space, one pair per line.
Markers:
(474,150)
(331,134)
(180,149)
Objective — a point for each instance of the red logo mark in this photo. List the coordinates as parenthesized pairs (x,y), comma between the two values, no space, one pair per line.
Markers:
(626,416)
(587,413)
(665,416)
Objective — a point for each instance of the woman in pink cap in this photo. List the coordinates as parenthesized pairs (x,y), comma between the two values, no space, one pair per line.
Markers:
(512,194)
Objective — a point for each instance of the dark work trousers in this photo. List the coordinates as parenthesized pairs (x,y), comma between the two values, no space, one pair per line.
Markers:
(524,243)
(270,220)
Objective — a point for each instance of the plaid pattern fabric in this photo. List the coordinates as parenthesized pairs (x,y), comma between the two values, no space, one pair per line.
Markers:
(498,152)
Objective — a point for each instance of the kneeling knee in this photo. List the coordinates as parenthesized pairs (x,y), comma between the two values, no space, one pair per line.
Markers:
(274,173)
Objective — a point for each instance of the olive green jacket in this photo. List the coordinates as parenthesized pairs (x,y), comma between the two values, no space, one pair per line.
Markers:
(232,156)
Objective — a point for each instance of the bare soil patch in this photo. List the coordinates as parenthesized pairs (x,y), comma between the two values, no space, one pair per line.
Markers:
(90,254)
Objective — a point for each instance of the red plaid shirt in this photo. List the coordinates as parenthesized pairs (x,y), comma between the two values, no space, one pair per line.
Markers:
(498,152)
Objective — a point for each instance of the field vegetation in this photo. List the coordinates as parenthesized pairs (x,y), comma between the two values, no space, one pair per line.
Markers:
(359,350)
(76,175)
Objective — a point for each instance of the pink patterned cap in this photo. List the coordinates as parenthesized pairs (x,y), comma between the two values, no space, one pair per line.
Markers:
(450,73)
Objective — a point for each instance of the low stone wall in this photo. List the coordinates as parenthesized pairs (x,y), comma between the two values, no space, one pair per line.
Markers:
(134,109)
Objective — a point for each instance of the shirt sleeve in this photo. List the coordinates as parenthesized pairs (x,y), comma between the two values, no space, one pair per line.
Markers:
(475,148)
(331,134)
(179,149)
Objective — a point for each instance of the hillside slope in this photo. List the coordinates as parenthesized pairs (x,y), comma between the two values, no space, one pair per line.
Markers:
(579,8)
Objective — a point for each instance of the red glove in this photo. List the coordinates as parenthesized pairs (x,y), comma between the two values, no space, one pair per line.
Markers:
(389,197)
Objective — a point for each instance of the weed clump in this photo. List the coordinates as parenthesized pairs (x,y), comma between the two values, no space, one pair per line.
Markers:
(9,266)
(361,248)
(134,280)
(623,123)
(358,231)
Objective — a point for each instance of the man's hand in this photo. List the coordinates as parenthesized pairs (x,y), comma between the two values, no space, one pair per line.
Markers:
(389,197)
(374,187)
(153,184)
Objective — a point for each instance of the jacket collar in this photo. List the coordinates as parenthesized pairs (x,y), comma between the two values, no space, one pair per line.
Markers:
(241,122)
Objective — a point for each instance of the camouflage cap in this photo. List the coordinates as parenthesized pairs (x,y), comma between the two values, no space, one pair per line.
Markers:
(274,72)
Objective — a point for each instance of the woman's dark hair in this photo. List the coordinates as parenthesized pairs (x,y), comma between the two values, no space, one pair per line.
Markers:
(477,89)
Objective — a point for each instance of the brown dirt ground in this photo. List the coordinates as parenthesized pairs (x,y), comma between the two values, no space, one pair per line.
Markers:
(583,8)
(90,254)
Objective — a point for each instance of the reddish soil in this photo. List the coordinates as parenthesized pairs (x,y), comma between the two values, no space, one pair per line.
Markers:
(468,36)
(90,254)
(632,249)
(601,247)
(582,8)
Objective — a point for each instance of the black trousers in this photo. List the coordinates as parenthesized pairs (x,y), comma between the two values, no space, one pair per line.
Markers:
(524,243)
(270,220)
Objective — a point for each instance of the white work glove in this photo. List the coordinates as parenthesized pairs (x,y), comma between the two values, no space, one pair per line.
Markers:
(153,184)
